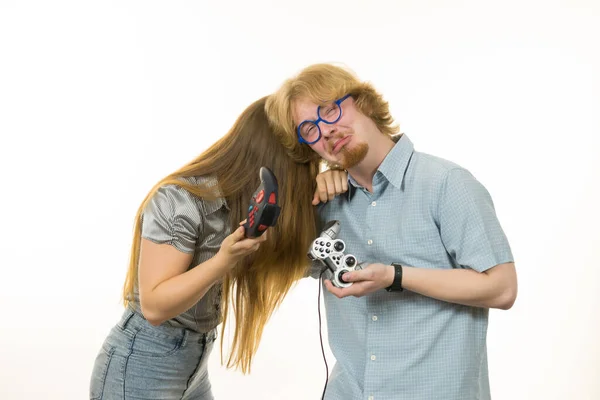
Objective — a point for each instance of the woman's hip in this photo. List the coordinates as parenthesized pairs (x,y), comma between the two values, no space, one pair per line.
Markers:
(138,360)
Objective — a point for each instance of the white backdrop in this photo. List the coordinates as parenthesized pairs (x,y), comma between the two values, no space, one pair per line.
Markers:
(94,94)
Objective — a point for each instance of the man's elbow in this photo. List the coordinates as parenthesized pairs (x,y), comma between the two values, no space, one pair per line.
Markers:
(504,280)
(507,299)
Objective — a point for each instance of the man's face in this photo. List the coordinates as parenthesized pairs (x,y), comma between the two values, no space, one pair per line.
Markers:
(344,142)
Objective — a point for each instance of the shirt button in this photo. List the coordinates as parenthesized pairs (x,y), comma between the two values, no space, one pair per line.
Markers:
(374,203)
(374,318)
(373,358)
(369,241)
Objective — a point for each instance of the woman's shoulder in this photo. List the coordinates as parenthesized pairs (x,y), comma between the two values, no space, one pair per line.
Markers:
(181,196)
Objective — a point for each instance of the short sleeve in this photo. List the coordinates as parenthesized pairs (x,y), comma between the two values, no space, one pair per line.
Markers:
(172,217)
(469,227)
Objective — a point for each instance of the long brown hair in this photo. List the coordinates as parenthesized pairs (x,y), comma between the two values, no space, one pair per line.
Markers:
(321,84)
(257,285)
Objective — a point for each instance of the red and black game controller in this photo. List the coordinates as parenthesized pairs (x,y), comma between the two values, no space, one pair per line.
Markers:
(263,211)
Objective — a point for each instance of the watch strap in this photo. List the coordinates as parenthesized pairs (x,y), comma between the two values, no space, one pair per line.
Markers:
(396,285)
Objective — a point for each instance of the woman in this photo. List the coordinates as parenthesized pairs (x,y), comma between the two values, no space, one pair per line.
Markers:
(190,261)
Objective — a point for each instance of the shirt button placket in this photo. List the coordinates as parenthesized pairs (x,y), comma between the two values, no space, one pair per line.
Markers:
(372,369)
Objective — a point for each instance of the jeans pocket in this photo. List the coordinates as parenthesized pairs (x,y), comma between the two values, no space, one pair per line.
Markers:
(99,372)
(157,344)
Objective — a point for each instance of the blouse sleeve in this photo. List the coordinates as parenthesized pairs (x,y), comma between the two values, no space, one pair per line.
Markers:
(172,216)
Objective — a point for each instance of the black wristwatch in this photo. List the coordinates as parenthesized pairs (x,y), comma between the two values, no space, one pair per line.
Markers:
(396,285)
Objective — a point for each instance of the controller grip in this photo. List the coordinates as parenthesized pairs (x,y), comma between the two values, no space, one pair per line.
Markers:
(270,214)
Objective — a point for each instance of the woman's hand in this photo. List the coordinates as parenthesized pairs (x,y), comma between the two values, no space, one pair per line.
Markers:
(236,246)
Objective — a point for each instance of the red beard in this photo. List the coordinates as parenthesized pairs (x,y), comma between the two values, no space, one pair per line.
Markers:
(352,156)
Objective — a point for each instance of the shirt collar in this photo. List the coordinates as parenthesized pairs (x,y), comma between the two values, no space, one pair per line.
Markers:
(396,162)
(210,206)
(393,167)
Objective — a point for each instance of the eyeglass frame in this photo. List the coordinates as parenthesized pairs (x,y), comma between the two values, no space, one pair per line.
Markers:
(338,102)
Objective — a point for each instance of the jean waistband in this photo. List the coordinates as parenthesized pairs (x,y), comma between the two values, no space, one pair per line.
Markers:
(135,321)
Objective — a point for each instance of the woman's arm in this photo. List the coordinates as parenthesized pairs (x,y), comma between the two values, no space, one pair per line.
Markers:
(168,288)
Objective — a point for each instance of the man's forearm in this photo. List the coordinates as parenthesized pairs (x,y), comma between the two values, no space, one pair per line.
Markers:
(495,288)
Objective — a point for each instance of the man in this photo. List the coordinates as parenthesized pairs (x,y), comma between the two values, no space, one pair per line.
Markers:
(413,323)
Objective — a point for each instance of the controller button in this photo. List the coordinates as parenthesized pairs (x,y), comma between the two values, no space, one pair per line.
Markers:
(328,244)
(272,198)
(249,208)
(327,251)
(262,227)
(321,249)
(260,196)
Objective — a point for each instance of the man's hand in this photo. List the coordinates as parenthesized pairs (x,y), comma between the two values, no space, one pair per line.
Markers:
(365,281)
(330,183)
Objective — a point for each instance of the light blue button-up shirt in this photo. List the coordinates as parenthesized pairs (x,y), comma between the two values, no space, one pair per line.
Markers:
(424,212)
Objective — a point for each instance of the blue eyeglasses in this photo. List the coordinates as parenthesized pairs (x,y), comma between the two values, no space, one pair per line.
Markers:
(309,131)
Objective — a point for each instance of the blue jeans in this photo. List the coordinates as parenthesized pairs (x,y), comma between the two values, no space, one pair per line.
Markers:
(141,361)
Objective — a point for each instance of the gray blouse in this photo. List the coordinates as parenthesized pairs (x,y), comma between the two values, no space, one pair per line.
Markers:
(194,226)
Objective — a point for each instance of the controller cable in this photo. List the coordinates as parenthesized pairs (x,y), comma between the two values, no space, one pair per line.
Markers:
(358,266)
(321,336)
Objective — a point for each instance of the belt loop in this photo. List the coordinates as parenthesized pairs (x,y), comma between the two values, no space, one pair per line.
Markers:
(125,318)
(184,338)
(210,336)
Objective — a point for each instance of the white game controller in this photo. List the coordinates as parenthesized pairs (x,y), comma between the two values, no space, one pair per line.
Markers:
(330,251)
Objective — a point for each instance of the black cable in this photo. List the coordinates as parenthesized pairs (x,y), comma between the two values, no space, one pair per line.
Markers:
(321,337)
